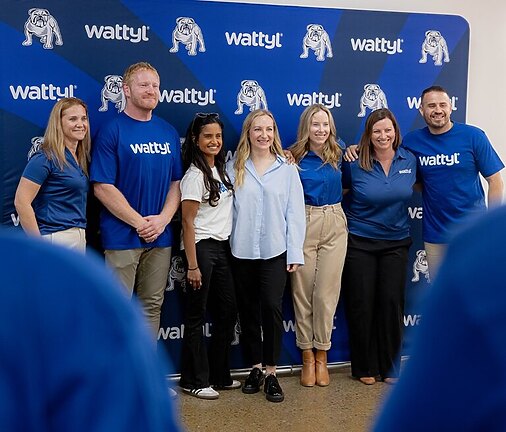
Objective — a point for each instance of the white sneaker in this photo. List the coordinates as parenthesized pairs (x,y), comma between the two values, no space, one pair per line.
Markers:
(202,393)
(235,385)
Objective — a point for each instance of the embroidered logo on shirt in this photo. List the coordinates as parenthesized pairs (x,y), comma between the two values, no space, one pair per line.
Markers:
(405,171)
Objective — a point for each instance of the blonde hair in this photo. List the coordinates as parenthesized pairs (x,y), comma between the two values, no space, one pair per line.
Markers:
(244,146)
(54,138)
(331,153)
(366,147)
(132,69)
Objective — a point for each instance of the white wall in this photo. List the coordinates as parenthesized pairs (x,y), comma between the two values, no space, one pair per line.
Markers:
(486,106)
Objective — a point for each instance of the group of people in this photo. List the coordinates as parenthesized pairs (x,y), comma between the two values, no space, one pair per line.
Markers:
(334,216)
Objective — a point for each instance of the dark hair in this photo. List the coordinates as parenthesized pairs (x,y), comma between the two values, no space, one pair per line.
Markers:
(434,88)
(366,147)
(193,155)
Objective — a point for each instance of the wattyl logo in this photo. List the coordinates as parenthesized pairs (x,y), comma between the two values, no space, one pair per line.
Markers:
(177,332)
(415,212)
(118,32)
(151,148)
(415,102)
(188,96)
(255,39)
(42,92)
(307,99)
(15,219)
(412,320)
(379,45)
(440,159)
(405,171)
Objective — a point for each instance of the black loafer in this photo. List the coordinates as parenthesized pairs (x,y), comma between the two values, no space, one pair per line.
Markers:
(253,382)
(272,389)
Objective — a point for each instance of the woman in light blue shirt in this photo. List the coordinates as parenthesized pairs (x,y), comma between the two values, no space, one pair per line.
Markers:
(267,240)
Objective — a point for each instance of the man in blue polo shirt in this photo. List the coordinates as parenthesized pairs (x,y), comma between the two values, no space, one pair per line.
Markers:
(450,157)
(136,168)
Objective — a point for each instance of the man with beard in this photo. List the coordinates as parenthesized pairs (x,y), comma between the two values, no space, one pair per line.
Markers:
(136,168)
(450,158)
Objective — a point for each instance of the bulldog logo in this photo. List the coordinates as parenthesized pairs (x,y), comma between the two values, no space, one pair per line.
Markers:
(373,98)
(43,25)
(188,33)
(177,273)
(36,143)
(113,92)
(252,95)
(420,266)
(318,40)
(435,46)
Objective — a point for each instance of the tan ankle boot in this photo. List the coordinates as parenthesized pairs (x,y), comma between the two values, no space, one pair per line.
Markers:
(322,373)
(307,376)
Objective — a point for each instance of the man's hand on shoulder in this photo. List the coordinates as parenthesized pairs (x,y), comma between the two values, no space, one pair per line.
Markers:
(351,153)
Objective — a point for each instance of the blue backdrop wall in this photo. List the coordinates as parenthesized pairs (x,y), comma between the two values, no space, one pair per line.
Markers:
(226,58)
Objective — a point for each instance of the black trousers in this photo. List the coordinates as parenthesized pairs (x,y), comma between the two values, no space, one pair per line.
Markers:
(217,295)
(374,278)
(260,286)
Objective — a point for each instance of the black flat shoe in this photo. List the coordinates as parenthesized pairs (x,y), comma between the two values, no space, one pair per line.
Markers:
(272,389)
(253,382)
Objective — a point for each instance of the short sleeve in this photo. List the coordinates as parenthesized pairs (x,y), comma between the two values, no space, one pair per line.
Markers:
(38,168)
(104,159)
(192,185)
(487,159)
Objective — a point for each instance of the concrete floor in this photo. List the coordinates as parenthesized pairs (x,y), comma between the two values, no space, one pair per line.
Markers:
(345,405)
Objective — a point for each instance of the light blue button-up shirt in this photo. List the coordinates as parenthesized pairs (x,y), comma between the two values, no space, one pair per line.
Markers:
(269,214)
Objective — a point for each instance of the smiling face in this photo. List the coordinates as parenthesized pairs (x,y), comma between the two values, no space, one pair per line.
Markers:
(74,123)
(210,141)
(261,134)
(383,135)
(319,131)
(142,91)
(436,109)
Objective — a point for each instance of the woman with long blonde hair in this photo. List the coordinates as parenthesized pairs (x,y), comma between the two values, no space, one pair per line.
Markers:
(51,195)
(266,241)
(316,286)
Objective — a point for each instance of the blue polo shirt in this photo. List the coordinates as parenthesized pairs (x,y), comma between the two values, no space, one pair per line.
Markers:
(60,203)
(321,182)
(377,205)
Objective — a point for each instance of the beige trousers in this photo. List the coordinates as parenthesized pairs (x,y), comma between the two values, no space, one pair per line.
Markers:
(145,271)
(316,285)
(435,253)
(73,238)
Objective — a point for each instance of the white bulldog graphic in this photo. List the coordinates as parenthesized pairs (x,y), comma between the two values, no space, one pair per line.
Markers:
(318,40)
(113,92)
(43,25)
(188,33)
(252,95)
